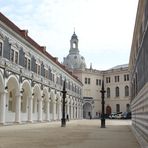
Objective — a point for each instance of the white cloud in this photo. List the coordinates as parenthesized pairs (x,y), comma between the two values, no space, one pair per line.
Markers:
(102,26)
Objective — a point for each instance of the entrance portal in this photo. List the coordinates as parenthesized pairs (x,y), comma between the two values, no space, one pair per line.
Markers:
(108,110)
(87,111)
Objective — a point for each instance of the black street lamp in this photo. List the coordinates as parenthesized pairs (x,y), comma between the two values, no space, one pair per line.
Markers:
(103,104)
(63,120)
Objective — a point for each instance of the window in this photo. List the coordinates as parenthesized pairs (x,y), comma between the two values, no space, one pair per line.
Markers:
(85,80)
(127,107)
(50,75)
(88,80)
(116,78)
(27,63)
(107,79)
(53,77)
(46,73)
(126,77)
(1,48)
(117,108)
(74,45)
(38,69)
(14,56)
(108,92)
(126,91)
(117,91)
(97,82)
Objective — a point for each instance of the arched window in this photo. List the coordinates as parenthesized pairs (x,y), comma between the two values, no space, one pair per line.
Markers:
(117,108)
(108,92)
(127,107)
(74,44)
(126,91)
(117,91)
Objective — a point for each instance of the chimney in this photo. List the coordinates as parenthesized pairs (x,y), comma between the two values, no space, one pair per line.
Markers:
(24,32)
(43,48)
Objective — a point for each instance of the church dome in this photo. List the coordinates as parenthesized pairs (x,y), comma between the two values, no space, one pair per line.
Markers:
(74,60)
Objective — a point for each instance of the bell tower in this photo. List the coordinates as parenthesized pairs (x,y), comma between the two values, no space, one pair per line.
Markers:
(74,44)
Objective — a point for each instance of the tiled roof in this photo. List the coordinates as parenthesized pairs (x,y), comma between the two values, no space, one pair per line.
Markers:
(25,36)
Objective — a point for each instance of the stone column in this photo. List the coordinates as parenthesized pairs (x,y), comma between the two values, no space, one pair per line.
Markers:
(18,108)
(40,110)
(47,110)
(2,106)
(54,110)
(71,111)
(30,109)
(81,107)
(60,110)
(78,111)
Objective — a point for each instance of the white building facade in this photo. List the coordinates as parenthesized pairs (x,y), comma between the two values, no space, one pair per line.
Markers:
(117,97)
(31,80)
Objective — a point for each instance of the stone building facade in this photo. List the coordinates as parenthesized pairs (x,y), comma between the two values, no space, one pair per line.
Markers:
(117,98)
(138,66)
(31,80)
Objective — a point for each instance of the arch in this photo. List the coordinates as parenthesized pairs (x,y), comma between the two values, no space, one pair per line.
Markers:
(52,95)
(108,110)
(45,97)
(13,83)
(87,110)
(26,95)
(126,91)
(13,90)
(36,96)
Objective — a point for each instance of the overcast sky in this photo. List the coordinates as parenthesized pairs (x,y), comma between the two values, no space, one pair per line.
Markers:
(104,27)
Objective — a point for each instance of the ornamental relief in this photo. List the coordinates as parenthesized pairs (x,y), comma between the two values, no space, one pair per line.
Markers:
(2,36)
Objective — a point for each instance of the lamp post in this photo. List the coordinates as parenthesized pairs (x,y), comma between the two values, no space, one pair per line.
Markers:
(63,120)
(103,104)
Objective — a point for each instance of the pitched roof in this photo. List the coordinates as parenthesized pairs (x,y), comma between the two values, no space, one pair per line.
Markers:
(24,35)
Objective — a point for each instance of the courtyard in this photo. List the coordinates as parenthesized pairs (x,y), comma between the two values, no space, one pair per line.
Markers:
(76,134)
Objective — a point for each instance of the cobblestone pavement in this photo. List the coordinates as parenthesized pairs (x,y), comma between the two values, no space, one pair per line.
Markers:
(77,134)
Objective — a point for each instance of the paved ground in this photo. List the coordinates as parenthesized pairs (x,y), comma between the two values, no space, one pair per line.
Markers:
(77,134)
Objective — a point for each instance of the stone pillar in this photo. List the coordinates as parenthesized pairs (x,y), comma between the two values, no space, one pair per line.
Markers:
(54,110)
(60,110)
(71,111)
(81,107)
(68,108)
(40,110)
(18,108)
(78,111)
(2,106)
(47,110)
(30,109)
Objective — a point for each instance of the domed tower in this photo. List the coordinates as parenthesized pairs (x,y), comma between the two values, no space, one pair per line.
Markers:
(74,60)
